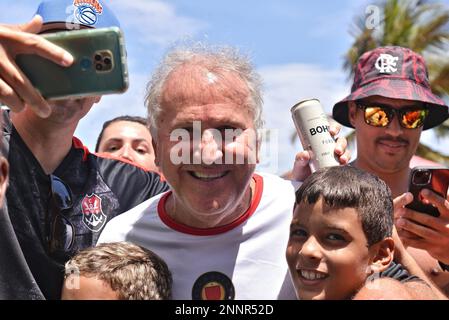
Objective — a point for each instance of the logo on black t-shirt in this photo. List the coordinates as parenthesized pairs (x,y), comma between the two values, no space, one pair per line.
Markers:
(93,217)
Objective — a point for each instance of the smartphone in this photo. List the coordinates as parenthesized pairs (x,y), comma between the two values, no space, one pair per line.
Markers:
(99,65)
(432,178)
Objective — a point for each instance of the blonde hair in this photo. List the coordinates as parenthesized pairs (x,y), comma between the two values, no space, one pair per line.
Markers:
(134,272)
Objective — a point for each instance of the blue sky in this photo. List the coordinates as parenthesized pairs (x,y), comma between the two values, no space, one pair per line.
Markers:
(297,46)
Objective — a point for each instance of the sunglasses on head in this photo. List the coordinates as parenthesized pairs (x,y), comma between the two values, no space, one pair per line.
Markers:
(61,233)
(380,115)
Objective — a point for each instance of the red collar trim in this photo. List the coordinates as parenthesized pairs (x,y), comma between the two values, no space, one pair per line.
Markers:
(77,144)
(211,231)
(112,157)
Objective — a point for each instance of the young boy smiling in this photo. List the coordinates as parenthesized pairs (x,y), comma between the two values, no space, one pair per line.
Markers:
(341,236)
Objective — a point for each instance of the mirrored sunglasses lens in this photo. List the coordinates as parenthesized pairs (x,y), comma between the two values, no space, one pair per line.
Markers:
(376,116)
(62,237)
(61,192)
(414,118)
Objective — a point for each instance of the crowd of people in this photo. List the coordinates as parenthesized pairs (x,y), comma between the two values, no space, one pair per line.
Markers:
(151,217)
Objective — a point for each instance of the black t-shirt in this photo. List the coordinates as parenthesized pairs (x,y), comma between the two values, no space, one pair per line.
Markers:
(395,271)
(102,188)
(16,280)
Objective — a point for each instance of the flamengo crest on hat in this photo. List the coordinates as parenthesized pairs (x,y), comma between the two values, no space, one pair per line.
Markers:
(386,63)
(93,217)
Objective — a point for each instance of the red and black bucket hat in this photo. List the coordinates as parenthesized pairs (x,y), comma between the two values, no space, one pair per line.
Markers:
(396,73)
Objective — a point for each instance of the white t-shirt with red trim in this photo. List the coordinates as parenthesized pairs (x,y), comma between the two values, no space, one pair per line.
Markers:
(243,260)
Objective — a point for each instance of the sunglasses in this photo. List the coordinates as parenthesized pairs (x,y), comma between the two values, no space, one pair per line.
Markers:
(380,115)
(61,233)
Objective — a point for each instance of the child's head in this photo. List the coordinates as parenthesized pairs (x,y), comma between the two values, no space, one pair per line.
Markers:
(119,270)
(340,232)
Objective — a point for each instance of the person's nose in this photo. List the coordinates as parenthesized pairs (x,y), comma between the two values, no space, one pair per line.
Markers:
(211,147)
(311,249)
(394,128)
(127,152)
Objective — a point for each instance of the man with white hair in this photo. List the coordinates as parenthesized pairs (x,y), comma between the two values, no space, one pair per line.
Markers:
(60,196)
(222,229)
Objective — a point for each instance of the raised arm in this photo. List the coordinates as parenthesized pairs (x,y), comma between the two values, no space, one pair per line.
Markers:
(16,91)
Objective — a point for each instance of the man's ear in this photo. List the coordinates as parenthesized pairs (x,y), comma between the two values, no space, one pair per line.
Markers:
(156,152)
(352,112)
(4,175)
(382,254)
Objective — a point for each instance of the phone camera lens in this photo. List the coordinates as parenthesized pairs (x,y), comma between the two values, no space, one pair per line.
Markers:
(97,57)
(421,177)
(85,63)
(99,67)
(107,61)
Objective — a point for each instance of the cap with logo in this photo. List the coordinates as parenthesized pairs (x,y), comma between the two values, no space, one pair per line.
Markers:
(396,73)
(70,14)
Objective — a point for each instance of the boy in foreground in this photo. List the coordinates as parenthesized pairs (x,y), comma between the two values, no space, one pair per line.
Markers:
(116,271)
(341,243)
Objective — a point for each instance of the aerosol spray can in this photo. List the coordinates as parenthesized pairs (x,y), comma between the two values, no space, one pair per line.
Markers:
(313,130)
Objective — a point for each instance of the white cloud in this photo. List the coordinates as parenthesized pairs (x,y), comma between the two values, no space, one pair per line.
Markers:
(155,21)
(148,21)
(327,22)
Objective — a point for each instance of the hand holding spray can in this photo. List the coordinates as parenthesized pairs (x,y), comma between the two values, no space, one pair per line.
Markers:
(313,130)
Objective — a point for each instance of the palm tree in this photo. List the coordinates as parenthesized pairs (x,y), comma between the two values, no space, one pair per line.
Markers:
(422,26)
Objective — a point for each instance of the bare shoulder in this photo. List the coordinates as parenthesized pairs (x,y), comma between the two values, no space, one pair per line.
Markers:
(420,290)
(383,289)
(431,268)
(391,289)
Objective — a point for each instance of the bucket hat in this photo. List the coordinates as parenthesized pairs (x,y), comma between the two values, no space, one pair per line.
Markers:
(397,73)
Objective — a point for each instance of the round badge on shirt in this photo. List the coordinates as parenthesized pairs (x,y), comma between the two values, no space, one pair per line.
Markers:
(213,286)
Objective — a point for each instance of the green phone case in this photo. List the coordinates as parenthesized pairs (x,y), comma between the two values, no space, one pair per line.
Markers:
(99,66)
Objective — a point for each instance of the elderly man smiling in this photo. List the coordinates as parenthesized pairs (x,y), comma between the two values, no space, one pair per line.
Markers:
(221,226)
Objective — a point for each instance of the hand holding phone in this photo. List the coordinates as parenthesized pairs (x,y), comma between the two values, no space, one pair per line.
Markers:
(16,90)
(99,65)
(435,179)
